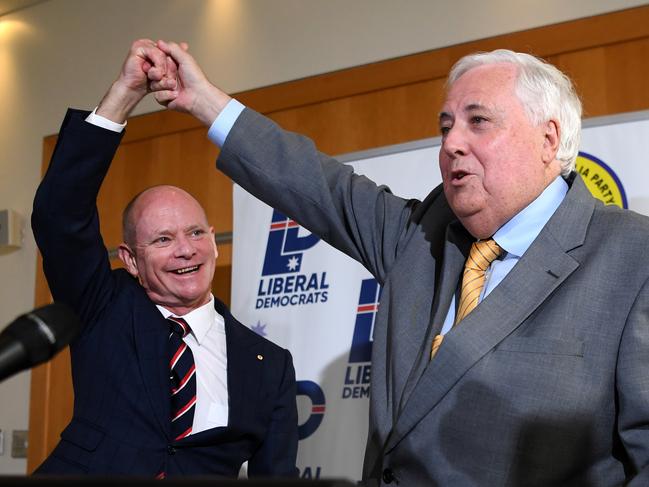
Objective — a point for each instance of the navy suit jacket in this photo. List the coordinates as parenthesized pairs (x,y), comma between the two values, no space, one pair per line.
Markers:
(120,422)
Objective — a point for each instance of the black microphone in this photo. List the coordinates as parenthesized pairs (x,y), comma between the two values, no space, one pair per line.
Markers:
(36,337)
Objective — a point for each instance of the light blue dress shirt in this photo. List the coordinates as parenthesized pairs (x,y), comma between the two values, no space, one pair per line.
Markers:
(514,237)
(222,125)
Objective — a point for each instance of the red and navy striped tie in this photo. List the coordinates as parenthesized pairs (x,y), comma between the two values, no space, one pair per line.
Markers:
(183,379)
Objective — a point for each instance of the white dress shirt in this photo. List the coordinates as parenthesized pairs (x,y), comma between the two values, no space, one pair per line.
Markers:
(207,342)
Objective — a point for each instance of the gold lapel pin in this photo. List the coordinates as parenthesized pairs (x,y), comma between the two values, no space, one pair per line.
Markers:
(260,357)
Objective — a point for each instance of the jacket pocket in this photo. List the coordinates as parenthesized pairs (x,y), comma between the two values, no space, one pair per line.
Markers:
(78,442)
(83,434)
(550,346)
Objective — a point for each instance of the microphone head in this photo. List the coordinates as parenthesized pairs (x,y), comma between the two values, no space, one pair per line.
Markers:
(45,330)
(60,320)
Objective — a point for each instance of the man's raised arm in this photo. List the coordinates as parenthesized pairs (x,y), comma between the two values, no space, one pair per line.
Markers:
(65,220)
(144,64)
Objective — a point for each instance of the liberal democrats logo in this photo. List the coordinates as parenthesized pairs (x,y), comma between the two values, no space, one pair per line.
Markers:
(282,283)
(317,409)
(358,373)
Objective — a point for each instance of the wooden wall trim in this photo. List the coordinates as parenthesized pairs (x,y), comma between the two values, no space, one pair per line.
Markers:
(39,408)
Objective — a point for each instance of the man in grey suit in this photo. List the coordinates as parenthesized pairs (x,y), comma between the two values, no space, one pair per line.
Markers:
(545,382)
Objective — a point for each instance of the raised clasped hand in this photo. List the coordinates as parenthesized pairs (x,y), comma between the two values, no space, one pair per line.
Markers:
(181,85)
(145,65)
(181,92)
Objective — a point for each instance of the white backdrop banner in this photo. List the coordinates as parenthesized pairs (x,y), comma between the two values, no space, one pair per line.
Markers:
(304,295)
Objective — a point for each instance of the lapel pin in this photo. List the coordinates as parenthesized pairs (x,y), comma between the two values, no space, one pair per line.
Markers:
(260,357)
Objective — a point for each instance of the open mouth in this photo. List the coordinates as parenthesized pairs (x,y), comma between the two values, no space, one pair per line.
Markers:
(457,175)
(186,270)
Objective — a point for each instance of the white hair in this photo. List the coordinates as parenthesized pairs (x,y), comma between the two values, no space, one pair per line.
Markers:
(545,92)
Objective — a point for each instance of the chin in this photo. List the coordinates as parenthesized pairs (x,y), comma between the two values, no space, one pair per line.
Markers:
(464,212)
(467,205)
(198,299)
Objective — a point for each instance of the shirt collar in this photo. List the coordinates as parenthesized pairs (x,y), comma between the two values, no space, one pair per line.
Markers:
(516,236)
(200,320)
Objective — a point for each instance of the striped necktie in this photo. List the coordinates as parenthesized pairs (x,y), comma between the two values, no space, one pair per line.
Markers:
(183,379)
(481,255)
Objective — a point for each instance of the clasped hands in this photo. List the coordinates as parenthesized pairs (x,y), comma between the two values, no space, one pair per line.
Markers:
(167,70)
(164,69)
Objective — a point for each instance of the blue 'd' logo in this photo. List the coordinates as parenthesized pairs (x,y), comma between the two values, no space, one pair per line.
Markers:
(285,247)
(314,393)
(368,303)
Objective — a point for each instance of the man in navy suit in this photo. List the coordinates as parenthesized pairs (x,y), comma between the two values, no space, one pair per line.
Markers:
(244,407)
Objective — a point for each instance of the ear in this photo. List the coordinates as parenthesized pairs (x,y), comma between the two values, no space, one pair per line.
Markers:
(127,256)
(216,249)
(551,141)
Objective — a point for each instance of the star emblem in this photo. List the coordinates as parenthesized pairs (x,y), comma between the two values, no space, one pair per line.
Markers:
(292,264)
(259,329)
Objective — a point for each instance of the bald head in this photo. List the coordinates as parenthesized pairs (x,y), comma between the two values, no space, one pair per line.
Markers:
(143,201)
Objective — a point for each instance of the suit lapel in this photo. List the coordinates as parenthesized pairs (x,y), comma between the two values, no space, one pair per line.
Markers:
(456,248)
(151,342)
(543,268)
(244,367)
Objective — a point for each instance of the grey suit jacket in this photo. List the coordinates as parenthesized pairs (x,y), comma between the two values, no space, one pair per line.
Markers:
(545,383)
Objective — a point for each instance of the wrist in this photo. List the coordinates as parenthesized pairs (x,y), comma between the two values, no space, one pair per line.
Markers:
(210,105)
(118,102)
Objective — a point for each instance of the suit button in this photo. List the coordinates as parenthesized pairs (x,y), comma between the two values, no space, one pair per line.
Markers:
(171,450)
(388,476)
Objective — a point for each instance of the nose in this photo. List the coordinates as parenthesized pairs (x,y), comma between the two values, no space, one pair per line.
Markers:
(185,248)
(454,143)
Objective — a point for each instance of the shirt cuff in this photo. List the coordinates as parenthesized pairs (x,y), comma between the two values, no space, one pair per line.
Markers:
(103,122)
(222,125)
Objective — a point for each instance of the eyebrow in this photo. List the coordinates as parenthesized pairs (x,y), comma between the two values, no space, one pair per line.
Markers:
(156,235)
(471,107)
(194,226)
(161,232)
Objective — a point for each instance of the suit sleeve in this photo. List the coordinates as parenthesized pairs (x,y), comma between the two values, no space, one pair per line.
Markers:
(65,220)
(632,377)
(285,170)
(278,452)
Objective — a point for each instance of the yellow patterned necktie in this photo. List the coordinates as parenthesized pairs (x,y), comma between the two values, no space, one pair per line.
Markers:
(481,255)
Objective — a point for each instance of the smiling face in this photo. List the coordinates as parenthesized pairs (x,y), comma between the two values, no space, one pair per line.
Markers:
(493,160)
(172,252)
